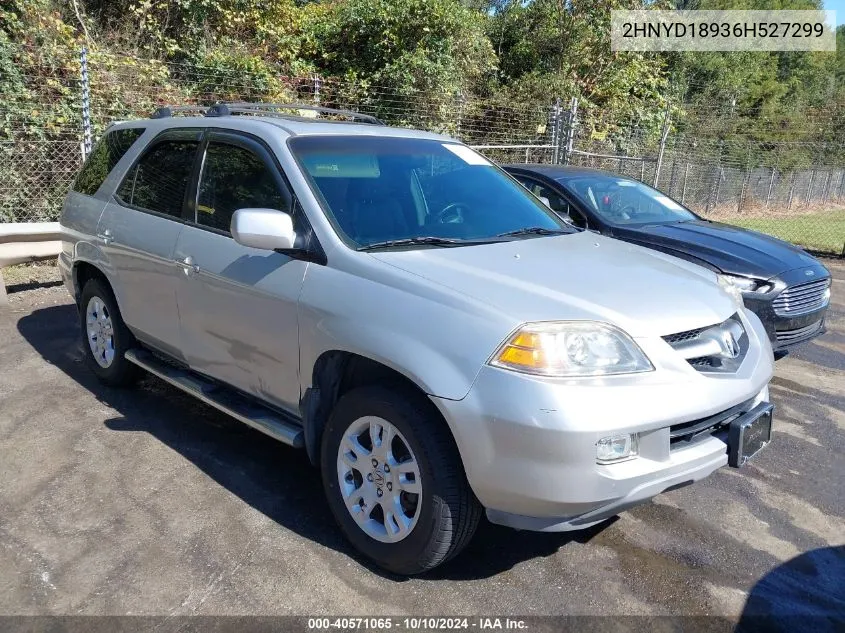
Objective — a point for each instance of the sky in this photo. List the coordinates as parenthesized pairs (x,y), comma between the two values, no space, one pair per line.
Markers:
(839,7)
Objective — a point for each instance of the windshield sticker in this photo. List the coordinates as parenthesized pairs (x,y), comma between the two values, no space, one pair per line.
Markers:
(466,154)
(669,203)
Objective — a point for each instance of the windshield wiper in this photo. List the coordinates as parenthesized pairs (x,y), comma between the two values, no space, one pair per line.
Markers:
(532,230)
(428,240)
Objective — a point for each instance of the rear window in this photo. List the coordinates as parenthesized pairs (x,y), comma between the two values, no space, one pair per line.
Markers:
(107,153)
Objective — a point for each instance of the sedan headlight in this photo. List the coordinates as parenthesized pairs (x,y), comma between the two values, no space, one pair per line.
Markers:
(570,349)
(745,284)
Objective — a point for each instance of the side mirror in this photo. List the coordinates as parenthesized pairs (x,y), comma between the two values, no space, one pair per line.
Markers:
(267,229)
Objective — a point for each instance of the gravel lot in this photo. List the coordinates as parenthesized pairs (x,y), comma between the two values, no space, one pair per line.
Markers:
(147,502)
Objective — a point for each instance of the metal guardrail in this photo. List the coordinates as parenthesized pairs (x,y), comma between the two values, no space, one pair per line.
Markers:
(22,242)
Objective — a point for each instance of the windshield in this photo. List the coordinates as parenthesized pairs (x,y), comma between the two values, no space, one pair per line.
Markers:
(381,189)
(622,201)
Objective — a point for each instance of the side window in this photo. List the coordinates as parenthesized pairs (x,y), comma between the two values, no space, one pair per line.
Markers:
(160,177)
(234,178)
(557,203)
(106,154)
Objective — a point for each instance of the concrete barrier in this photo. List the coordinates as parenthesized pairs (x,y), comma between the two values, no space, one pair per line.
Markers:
(22,242)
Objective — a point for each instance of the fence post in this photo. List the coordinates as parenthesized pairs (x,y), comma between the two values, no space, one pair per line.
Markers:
(771,186)
(461,100)
(841,184)
(672,176)
(718,186)
(791,192)
(556,129)
(664,133)
(315,79)
(571,123)
(86,105)
(810,186)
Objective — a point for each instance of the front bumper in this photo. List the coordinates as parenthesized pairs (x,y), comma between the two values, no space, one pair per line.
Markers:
(528,444)
(785,332)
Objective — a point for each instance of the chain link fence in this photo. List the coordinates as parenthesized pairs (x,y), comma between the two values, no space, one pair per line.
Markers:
(795,191)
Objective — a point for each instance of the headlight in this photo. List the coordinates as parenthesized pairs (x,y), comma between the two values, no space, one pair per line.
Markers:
(745,284)
(571,348)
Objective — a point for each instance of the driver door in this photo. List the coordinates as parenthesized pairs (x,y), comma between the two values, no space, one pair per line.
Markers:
(238,305)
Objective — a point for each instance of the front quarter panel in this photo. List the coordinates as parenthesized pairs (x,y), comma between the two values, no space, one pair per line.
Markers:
(432,335)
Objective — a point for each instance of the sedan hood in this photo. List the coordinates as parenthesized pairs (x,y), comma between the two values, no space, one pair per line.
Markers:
(729,248)
(581,276)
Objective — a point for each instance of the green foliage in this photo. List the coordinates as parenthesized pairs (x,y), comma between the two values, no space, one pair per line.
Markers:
(423,51)
(550,48)
(765,97)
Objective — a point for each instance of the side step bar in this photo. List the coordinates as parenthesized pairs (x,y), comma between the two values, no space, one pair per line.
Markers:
(261,418)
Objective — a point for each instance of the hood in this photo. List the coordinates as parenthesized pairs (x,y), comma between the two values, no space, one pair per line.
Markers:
(580,276)
(731,249)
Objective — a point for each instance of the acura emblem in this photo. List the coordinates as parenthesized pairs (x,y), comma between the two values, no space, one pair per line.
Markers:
(730,348)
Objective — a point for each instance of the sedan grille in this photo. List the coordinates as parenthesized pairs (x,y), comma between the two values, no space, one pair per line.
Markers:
(801,299)
(787,336)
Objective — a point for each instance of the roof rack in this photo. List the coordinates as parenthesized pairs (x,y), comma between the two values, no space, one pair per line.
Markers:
(165,112)
(265,109)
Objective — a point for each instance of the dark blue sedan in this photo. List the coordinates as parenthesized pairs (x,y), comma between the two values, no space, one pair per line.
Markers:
(785,286)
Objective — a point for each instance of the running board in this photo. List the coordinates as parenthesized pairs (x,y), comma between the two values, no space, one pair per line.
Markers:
(259,417)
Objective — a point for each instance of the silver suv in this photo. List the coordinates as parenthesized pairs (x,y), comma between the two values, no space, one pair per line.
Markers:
(437,339)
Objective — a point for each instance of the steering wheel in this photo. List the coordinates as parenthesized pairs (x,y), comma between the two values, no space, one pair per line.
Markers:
(626,213)
(452,213)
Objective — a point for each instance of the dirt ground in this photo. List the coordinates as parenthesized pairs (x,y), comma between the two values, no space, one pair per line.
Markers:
(147,502)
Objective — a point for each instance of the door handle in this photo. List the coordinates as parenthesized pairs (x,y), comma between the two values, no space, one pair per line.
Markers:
(187,264)
(106,236)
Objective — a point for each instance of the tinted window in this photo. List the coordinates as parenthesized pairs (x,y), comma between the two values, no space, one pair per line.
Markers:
(159,179)
(622,201)
(234,178)
(106,154)
(376,189)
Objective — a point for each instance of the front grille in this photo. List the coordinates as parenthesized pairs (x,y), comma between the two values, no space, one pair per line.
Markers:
(702,361)
(787,336)
(683,336)
(716,348)
(801,299)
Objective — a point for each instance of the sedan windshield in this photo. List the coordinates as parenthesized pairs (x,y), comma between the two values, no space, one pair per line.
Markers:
(622,201)
(383,192)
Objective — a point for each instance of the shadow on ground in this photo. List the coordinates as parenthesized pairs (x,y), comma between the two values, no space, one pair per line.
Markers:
(806,593)
(276,480)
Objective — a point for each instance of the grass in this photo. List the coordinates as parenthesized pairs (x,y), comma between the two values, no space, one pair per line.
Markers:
(822,231)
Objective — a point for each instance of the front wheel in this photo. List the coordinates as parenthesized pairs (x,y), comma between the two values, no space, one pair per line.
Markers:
(394,480)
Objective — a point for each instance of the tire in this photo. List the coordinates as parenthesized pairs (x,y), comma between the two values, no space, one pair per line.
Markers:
(107,361)
(443,517)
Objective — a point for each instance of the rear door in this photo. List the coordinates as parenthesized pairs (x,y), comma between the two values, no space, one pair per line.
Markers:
(138,232)
(238,305)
